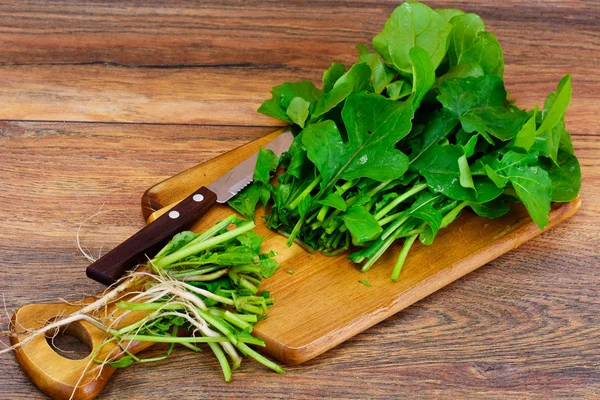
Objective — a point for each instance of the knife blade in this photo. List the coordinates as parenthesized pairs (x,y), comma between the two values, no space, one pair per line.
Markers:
(146,243)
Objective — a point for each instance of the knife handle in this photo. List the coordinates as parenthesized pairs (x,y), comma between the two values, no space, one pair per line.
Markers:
(147,242)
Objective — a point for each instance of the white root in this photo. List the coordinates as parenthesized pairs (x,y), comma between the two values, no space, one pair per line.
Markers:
(206,277)
(87,254)
(110,293)
(55,326)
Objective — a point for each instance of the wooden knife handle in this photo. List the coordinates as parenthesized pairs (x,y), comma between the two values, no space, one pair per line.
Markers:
(147,242)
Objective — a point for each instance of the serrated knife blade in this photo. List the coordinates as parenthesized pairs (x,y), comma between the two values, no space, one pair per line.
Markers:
(240,176)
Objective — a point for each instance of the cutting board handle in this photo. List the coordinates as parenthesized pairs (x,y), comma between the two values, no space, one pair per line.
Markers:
(57,376)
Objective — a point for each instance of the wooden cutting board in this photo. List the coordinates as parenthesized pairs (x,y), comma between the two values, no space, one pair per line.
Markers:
(319,301)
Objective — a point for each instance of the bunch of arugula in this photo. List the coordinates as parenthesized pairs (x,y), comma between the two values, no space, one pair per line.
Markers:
(205,284)
(396,146)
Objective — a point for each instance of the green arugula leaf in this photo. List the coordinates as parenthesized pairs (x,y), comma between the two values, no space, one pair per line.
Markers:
(469,147)
(481,106)
(531,183)
(178,241)
(423,75)
(305,90)
(374,125)
(398,89)
(353,81)
(266,164)
(439,165)
(493,209)
(440,125)
(501,122)
(122,362)
(460,95)
(469,43)
(449,13)
(361,224)
(565,176)
(424,209)
(526,136)
(466,179)
(245,202)
(334,200)
(381,74)
(331,75)
(468,70)
(298,160)
(283,95)
(298,110)
(552,131)
(412,25)
(269,267)
(250,240)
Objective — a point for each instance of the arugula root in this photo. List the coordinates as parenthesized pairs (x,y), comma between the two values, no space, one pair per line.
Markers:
(398,145)
(205,284)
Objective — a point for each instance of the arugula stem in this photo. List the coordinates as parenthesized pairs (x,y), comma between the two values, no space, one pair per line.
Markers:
(125,305)
(416,189)
(380,249)
(217,312)
(222,360)
(201,246)
(322,213)
(214,321)
(389,218)
(214,230)
(193,271)
(246,350)
(176,339)
(379,187)
(408,242)
(340,191)
(453,214)
(235,320)
(295,231)
(393,227)
(304,193)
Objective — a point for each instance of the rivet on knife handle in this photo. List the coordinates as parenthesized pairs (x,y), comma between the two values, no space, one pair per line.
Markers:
(147,242)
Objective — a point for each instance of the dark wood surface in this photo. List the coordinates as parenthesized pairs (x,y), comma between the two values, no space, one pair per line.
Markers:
(99,101)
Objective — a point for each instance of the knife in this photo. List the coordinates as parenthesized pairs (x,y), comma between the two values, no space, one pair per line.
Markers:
(148,241)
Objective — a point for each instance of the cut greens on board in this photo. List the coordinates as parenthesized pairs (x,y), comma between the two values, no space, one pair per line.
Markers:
(200,289)
(397,145)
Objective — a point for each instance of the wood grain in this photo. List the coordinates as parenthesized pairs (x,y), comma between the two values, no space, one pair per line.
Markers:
(524,326)
(215,64)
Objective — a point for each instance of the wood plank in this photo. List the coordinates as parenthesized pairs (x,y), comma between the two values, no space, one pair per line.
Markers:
(267,33)
(525,325)
(215,64)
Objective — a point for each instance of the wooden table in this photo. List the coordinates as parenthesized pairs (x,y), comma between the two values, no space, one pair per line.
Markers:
(99,101)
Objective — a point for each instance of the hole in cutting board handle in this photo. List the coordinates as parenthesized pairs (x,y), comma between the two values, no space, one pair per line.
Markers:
(72,342)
